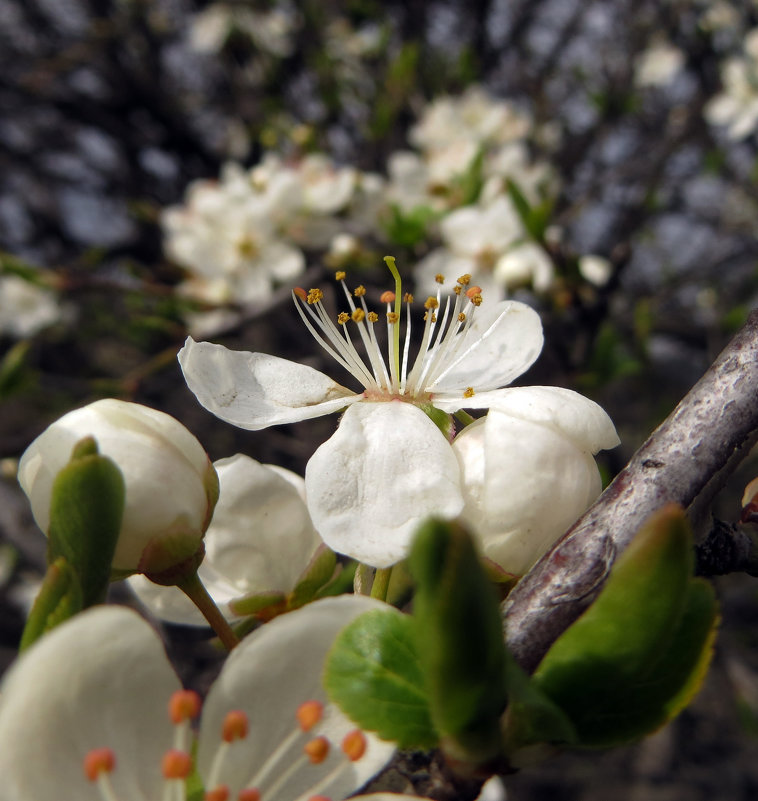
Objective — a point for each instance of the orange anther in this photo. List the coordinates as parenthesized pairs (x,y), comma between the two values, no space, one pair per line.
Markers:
(309,713)
(97,761)
(317,749)
(301,293)
(387,297)
(354,745)
(221,793)
(473,290)
(319,798)
(184,705)
(249,794)
(235,726)
(176,764)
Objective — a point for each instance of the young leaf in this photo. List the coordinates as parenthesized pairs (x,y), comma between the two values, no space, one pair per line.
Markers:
(637,654)
(373,674)
(86,508)
(460,642)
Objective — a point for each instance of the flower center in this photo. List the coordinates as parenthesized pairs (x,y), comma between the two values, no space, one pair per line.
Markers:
(443,341)
(268,780)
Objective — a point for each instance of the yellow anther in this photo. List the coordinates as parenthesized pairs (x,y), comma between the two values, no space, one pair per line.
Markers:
(465,279)
(476,300)
(315,295)
(431,303)
(339,275)
(342,318)
(433,318)
(360,291)
(387,297)
(407,298)
(457,289)
(309,713)
(247,247)
(392,317)
(372,317)
(462,317)
(317,749)
(358,315)
(469,393)
(439,278)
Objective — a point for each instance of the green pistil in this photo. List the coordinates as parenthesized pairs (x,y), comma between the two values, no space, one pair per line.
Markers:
(390,262)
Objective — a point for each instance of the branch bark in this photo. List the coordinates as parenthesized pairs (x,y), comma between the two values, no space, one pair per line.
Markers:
(686,459)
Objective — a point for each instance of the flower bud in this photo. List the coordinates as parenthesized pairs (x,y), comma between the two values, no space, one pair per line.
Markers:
(171,486)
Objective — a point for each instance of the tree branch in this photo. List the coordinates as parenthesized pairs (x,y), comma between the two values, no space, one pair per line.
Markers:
(688,457)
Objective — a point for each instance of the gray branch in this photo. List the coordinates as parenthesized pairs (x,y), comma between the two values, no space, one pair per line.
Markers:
(685,461)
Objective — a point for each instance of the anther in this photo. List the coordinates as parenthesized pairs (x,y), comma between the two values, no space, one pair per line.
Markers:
(339,275)
(301,293)
(176,764)
(462,317)
(249,794)
(431,303)
(342,318)
(314,296)
(360,291)
(372,317)
(309,713)
(358,315)
(407,298)
(317,749)
(439,278)
(465,279)
(476,300)
(473,291)
(469,392)
(235,726)
(354,745)
(392,317)
(319,798)
(100,760)
(457,289)
(184,705)
(221,793)
(387,297)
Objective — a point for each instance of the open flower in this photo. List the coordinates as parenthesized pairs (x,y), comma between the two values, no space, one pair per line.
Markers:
(171,486)
(95,712)
(388,466)
(527,470)
(260,541)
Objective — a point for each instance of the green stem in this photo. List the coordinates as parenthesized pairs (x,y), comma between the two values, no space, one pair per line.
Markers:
(464,417)
(194,589)
(390,262)
(381,583)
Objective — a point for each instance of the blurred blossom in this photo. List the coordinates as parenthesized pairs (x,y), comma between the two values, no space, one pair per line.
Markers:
(526,264)
(26,308)
(260,540)
(595,269)
(736,106)
(658,65)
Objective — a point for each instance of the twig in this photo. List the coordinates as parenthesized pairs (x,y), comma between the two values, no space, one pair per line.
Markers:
(689,455)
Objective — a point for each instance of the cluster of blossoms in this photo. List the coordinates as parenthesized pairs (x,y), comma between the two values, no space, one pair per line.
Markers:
(450,197)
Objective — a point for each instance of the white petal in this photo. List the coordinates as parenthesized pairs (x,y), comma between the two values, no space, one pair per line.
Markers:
(385,469)
(524,485)
(503,341)
(255,390)
(101,680)
(268,676)
(260,540)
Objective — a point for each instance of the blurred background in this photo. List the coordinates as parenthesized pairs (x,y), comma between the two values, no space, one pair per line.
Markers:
(175,166)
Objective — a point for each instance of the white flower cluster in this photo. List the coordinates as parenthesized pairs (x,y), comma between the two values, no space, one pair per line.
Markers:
(26,308)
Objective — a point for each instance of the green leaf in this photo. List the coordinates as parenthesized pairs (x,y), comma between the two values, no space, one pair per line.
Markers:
(316,574)
(86,508)
(373,674)
(59,598)
(638,653)
(460,642)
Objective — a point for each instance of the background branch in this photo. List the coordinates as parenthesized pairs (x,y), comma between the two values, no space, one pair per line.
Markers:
(688,457)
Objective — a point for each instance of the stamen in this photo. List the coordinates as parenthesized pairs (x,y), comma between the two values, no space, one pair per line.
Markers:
(387,297)
(360,291)
(372,317)
(183,706)
(358,316)
(98,765)
(439,278)
(249,794)
(465,279)
(392,318)
(220,793)
(342,318)
(301,293)
(407,298)
(354,745)
(315,296)
(339,275)
(235,726)
(469,392)
(309,713)
(176,764)
(317,749)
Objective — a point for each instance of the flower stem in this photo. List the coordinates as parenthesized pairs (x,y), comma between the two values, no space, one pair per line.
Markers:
(463,417)
(194,589)
(381,583)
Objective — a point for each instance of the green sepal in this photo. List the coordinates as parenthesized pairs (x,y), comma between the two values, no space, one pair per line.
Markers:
(318,572)
(86,508)
(442,420)
(459,632)
(341,582)
(59,598)
(638,654)
(373,673)
(261,605)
